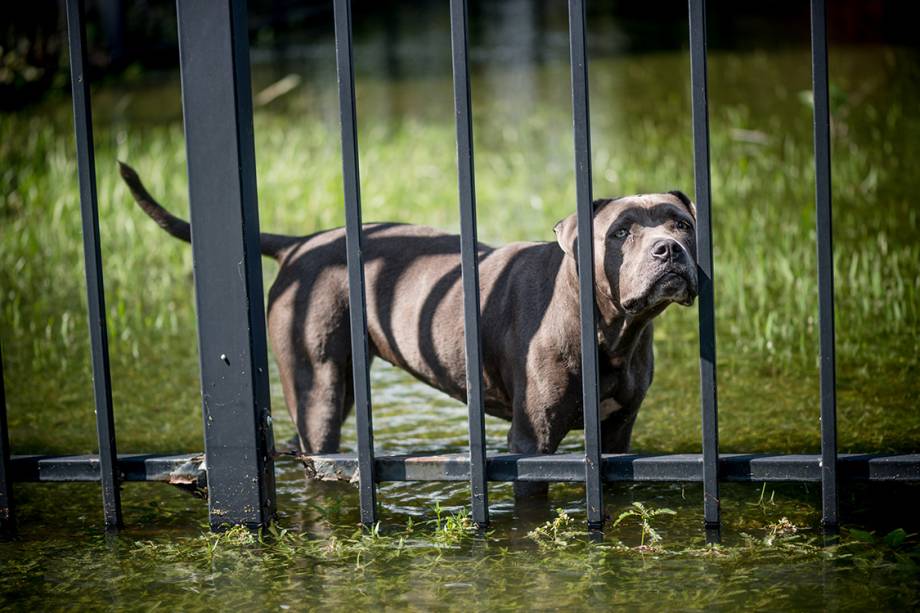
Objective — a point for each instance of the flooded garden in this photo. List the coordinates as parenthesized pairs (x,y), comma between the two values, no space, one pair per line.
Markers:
(425,554)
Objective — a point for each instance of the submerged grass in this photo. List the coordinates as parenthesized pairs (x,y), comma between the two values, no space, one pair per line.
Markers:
(451,528)
(773,564)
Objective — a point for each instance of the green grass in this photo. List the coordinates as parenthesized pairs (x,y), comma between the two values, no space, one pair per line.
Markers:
(765,273)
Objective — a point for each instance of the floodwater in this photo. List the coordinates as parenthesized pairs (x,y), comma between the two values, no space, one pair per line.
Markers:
(773,554)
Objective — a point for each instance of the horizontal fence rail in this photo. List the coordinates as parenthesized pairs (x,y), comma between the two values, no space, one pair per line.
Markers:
(182,470)
(189,470)
(622,467)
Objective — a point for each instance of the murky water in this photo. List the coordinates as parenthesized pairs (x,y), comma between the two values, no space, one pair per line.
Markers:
(773,554)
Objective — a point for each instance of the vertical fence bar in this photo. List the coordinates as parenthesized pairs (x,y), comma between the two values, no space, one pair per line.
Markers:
(7,516)
(825,263)
(459,36)
(708,396)
(585,218)
(95,290)
(217,107)
(353,240)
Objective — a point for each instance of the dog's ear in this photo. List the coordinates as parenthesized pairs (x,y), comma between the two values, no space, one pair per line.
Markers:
(567,229)
(566,234)
(685,201)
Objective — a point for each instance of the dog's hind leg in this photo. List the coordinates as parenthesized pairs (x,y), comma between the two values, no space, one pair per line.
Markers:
(321,407)
(317,398)
(313,361)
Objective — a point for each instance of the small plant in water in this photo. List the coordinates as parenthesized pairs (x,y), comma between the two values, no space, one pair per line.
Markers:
(893,539)
(644,516)
(783,526)
(557,532)
(763,501)
(779,528)
(451,528)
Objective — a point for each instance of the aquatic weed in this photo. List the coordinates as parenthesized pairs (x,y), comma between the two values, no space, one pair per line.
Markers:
(556,533)
(762,501)
(644,516)
(781,527)
(451,528)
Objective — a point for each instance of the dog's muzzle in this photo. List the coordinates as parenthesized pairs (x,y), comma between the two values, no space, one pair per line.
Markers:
(674,283)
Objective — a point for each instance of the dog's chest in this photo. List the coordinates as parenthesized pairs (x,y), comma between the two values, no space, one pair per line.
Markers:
(608,407)
(619,387)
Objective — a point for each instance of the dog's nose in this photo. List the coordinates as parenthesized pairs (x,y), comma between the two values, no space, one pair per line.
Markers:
(667,250)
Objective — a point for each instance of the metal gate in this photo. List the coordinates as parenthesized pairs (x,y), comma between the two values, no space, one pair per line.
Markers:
(239,465)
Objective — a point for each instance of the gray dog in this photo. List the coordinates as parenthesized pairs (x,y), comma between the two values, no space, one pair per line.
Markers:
(643,258)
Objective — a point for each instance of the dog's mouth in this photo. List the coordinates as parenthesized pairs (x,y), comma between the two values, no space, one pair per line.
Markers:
(672,285)
(678,282)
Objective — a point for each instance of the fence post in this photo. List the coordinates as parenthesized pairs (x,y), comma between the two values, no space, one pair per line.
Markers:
(7,515)
(95,290)
(217,105)
(585,220)
(707,325)
(353,239)
(459,34)
(825,264)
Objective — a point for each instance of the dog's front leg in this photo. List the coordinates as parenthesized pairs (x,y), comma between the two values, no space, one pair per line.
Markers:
(616,431)
(535,429)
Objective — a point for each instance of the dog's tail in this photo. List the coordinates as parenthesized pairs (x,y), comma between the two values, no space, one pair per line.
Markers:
(271,244)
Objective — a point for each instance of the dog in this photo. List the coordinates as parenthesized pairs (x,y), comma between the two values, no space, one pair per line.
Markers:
(644,260)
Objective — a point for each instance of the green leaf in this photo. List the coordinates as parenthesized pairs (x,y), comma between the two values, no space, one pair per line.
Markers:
(862,535)
(895,537)
(624,515)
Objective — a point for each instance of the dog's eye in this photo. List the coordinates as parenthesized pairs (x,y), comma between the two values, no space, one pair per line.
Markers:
(682,225)
(621,233)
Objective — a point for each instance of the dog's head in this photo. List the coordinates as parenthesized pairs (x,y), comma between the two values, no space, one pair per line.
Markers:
(644,250)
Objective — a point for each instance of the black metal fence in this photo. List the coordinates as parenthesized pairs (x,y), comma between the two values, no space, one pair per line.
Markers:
(232,346)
